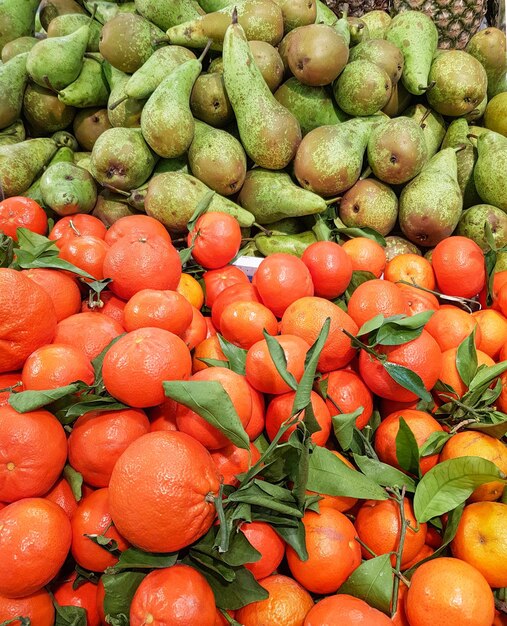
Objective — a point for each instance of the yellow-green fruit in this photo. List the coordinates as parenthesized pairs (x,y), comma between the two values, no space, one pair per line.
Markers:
(495,117)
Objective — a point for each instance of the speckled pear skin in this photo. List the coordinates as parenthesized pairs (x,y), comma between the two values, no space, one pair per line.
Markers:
(377,22)
(433,126)
(383,53)
(473,220)
(128,113)
(431,204)
(16,19)
(44,112)
(13,79)
(20,164)
(286,244)
(105,9)
(297,13)
(370,203)
(13,134)
(416,36)
(70,22)
(167,13)
(17,46)
(90,89)
(269,132)
(489,47)
(489,173)
(68,189)
(363,88)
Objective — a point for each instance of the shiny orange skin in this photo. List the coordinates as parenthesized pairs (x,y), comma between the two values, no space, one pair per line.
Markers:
(190,288)
(196,331)
(501,402)
(88,332)
(243,323)
(7,381)
(38,607)
(501,299)
(20,212)
(306,317)
(155,308)
(345,609)
(258,419)
(85,596)
(333,552)
(451,592)
(418,300)
(423,553)
(112,306)
(33,451)
(98,439)
(330,268)
(421,355)
(266,541)
(376,297)
(163,416)
(62,494)
(142,263)
(411,268)
(56,365)
(216,281)
(231,461)
(458,263)
(281,279)
(366,255)
(60,287)
(134,227)
(450,375)
(493,326)
(209,348)
(196,426)
(93,517)
(287,605)
(27,319)
(386,407)
(173,596)
(239,292)
(421,424)
(79,225)
(280,408)
(346,392)
(216,238)
(87,253)
(261,372)
(178,498)
(35,537)
(138,363)
(449,326)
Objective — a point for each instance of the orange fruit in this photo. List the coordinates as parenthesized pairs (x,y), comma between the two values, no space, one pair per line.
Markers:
(209,348)
(266,541)
(240,292)
(501,299)
(190,289)
(84,596)
(27,319)
(458,263)
(481,540)
(93,517)
(473,443)
(418,300)
(400,617)
(305,318)
(138,363)
(281,279)
(61,494)
(175,596)
(35,537)
(60,287)
(287,605)
(9,381)
(163,416)
(423,553)
(386,407)
(109,305)
(243,323)
(257,421)
(330,268)
(231,461)
(333,552)
(501,403)
(449,374)
(411,268)
(366,255)
(33,451)
(135,226)
(376,297)
(87,253)
(449,591)
(37,607)
(88,332)
(493,326)
(378,525)
(178,498)
(280,409)
(20,212)
(158,309)
(55,366)
(346,392)
(339,503)
(196,331)
(136,263)
(220,620)
(216,281)
(449,326)
(421,355)
(261,371)
(345,609)
(79,225)
(236,388)
(421,424)
(98,438)
(215,239)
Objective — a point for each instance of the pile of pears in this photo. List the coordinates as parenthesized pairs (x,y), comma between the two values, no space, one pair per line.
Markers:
(302,124)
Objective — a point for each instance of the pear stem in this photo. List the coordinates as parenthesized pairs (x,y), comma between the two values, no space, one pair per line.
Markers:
(472,136)
(459,148)
(424,118)
(332,200)
(48,84)
(345,11)
(205,51)
(235,15)
(431,85)
(157,42)
(266,231)
(366,173)
(118,191)
(113,106)
(92,16)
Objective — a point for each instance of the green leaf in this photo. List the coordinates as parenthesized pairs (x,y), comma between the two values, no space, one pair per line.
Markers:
(92,403)
(185,254)
(23,621)
(6,250)
(98,362)
(329,475)
(383,474)
(256,494)
(209,399)
(434,444)
(486,375)
(294,536)
(343,426)
(108,544)
(365,231)
(450,483)
(235,355)
(138,559)
(407,450)
(69,615)
(374,324)
(496,429)
(358,278)
(466,359)
(372,582)
(214,362)
(75,481)
(120,589)
(25,401)
(278,357)
(407,379)
(393,335)
(202,207)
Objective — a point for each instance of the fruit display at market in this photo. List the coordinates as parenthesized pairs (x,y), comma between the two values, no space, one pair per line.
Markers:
(253,313)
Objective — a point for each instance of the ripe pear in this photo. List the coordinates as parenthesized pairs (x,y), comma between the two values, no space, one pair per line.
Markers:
(363,88)
(457,137)
(297,13)
(88,126)
(490,169)
(377,23)
(62,155)
(488,46)
(14,133)
(383,53)
(209,101)
(70,22)
(358,31)
(90,89)
(432,124)
(473,221)
(369,203)
(285,244)
(167,13)
(269,63)
(20,164)
(396,245)
(399,101)
(17,46)
(495,117)
(51,9)
(110,207)
(105,11)
(122,111)
(44,112)
(13,80)
(16,19)
(68,189)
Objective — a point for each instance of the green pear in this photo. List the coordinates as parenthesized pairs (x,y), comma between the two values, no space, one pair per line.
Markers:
(472,224)
(105,11)
(312,106)
(396,245)
(383,53)
(122,158)
(44,112)
(173,197)
(167,13)
(17,46)
(488,46)
(50,9)
(13,79)
(111,207)
(68,189)
(209,101)
(17,19)
(167,121)
(358,31)
(363,88)
(269,132)
(21,162)
(272,196)
(15,133)
(262,20)
(286,244)
(90,89)
(269,61)
(70,22)
(287,226)
(324,14)
(432,124)
(217,159)
(377,22)
(491,168)
(369,203)
(416,36)
(122,111)
(210,6)
(88,125)
(297,13)
(57,61)
(495,117)
(431,203)
(62,155)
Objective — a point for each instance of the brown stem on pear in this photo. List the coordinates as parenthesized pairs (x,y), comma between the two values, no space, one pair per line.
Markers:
(118,191)
(332,200)
(92,16)
(205,51)
(424,118)
(472,136)
(266,231)
(461,147)
(48,84)
(367,172)
(158,42)
(113,106)
(235,15)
